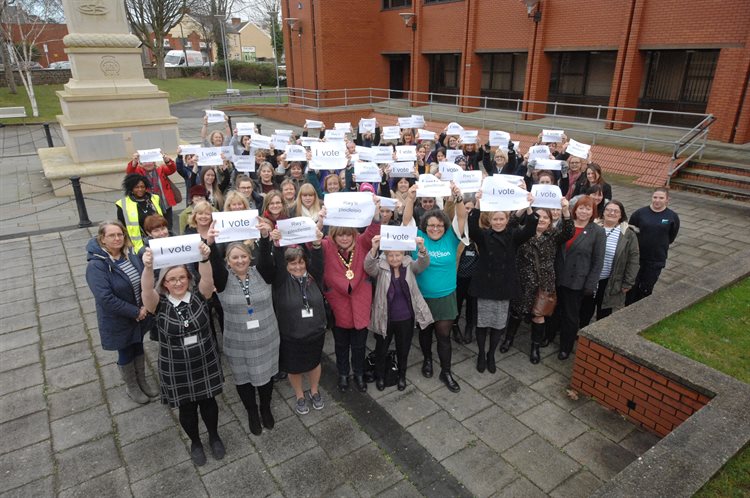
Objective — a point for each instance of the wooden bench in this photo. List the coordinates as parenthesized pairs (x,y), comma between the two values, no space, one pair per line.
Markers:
(12,112)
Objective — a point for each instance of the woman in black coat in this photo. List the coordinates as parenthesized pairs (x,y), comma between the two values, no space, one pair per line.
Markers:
(578,266)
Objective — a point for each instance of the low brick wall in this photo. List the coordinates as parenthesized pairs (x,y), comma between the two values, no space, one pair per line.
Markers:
(647,398)
(61,76)
(297,115)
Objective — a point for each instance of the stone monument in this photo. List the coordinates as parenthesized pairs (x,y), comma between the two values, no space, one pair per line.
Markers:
(110,110)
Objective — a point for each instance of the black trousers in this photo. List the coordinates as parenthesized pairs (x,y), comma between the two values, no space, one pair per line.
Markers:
(403,331)
(569,302)
(591,303)
(346,341)
(188,415)
(462,294)
(648,275)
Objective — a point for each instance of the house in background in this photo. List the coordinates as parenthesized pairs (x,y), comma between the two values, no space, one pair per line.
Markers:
(247,42)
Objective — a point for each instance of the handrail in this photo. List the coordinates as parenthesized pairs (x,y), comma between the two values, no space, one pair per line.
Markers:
(683,143)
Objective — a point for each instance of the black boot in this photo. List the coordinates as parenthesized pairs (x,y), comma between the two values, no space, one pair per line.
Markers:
(247,395)
(380,383)
(425,344)
(359,382)
(469,333)
(537,335)
(510,334)
(449,381)
(495,335)
(401,381)
(456,332)
(534,356)
(266,415)
(427,368)
(481,357)
(343,383)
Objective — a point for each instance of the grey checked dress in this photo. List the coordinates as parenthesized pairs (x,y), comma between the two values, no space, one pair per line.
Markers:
(187,373)
(253,354)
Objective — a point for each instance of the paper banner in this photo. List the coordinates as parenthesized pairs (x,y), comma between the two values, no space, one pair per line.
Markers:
(468,181)
(388,203)
(431,186)
(215,116)
(308,141)
(279,142)
(297,230)
(335,135)
(451,155)
(425,135)
(537,152)
(367,172)
(384,154)
(454,129)
(150,156)
(406,153)
(552,136)
(295,153)
(349,209)
(245,129)
(448,170)
(345,127)
(402,170)
(404,123)
(284,133)
(179,250)
(209,156)
(260,141)
(514,180)
(236,225)
(367,125)
(578,149)
(469,136)
(245,164)
(366,153)
(328,155)
(499,139)
(391,133)
(398,238)
(546,196)
(311,123)
(228,151)
(417,120)
(499,195)
(548,164)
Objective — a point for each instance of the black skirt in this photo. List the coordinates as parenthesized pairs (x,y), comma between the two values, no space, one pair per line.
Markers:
(296,357)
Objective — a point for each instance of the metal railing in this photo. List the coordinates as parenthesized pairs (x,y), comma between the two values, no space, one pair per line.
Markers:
(695,140)
(594,121)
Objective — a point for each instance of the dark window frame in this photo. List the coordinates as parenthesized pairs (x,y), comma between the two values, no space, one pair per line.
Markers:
(389,4)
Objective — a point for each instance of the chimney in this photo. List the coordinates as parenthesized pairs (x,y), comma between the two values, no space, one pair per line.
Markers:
(236,21)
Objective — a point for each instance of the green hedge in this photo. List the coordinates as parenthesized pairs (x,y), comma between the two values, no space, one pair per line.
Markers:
(251,72)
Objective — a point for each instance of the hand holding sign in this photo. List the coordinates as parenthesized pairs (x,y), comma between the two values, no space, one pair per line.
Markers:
(499,139)
(552,136)
(546,196)
(349,209)
(499,195)
(327,156)
(538,152)
(297,231)
(430,186)
(236,225)
(398,238)
(367,125)
(578,149)
(215,116)
(171,251)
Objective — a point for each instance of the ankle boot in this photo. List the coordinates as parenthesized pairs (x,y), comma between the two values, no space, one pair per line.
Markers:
(534,356)
(401,381)
(456,332)
(127,372)
(510,333)
(469,333)
(427,367)
(491,368)
(140,375)
(253,420)
(449,381)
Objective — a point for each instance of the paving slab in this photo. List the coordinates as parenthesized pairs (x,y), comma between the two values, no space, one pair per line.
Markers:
(64,355)
(236,441)
(608,422)
(520,488)
(113,484)
(582,484)
(25,465)
(311,473)
(541,463)
(480,470)
(20,378)
(75,399)
(150,456)
(338,435)
(288,439)
(24,431)
(553,423)
(246,475)
(466,371)
(82,463)
(18,322)
(20,338)
(408,406)
(600,455)
(402,489)
(639,441)
(441,435)
(143,421)
(22,403)
(498,429)
(19,357)
(180,480)
(71,375)
(512,396)
(41,487)
(368,471)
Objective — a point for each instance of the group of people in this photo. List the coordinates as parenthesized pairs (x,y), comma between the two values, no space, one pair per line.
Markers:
(552,268)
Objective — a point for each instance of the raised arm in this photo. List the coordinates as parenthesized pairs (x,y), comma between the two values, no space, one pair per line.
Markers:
(148,293)
(461,213)
(206,285)
(408,215)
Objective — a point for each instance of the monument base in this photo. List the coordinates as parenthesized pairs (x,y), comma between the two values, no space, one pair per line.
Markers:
(97,176)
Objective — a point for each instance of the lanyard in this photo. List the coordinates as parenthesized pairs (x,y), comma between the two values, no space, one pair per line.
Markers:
(185,321)
(246,290)
(303,289)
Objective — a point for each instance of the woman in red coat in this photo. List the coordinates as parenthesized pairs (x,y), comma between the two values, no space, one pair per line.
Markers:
(158,177)
(349,292)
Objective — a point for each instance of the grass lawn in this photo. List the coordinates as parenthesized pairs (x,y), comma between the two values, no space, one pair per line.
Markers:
(715,332)
(180,89)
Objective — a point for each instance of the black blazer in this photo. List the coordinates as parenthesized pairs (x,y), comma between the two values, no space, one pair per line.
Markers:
(579,267)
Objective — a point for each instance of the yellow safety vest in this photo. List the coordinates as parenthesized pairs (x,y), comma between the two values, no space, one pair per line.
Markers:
(130,212)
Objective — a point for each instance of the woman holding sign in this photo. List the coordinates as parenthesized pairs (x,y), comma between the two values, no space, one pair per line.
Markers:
(189,366)
(438,282)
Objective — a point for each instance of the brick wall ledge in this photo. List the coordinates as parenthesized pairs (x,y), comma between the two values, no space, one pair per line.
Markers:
(696,449)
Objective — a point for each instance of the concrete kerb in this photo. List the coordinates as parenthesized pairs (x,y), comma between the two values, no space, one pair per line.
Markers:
(690,455)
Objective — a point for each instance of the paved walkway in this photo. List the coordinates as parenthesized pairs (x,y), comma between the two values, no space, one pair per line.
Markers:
(69,430)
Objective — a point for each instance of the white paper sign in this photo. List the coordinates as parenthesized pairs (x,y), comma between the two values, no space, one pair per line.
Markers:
(384,154)
(388,203)
(335,135)
(215,116)
(236,225)
(448,170)
(345,127)
(228,152)
(311,123)
(297,230)
(285,133)
(349,209)
(326,155)
(468,181)
(366,153)
(431,186)
(260,141)
(499,195)
(546,196)
(209,156)
(469,136)
(189,150)
(454,129)
(552,136)
(245,129)
(513,179)
(537,152)
(402,170)
(425,135)
(295,153)
(367,125)
(499,139)
(391,133)
(578,149)
(548,164)
(308,141)
(406,152)
(451,155)
(405,123)
(245,163)
(279,142)
(179,250)
(417,121)
(367,172)
(150,156)
(398,238)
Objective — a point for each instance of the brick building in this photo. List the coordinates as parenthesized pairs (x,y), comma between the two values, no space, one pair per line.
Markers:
(687,56)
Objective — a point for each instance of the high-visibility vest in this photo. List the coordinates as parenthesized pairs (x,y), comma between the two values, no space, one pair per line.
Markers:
(130,212)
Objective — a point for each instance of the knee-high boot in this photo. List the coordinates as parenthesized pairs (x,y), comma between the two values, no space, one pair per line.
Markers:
(537,335)
(481,333)
(495,335)
(264,393)
(510,334)
(425,344)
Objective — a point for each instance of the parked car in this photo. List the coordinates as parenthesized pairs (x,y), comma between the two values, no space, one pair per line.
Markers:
(59,65)
(33,65)
(176,58)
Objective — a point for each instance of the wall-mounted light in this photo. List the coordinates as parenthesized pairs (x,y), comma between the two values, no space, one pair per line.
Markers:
(292,22)
(534,10)
(409,17)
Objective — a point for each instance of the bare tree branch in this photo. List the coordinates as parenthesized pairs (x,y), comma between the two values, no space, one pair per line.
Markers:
(151,21)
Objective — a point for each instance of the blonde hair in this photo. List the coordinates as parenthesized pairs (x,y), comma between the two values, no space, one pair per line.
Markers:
(307,189)
(103,227)
(201,207)
(234,196)
(486,217)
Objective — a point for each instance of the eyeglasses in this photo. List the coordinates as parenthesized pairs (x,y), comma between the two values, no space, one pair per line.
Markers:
(174,280)
(436,227)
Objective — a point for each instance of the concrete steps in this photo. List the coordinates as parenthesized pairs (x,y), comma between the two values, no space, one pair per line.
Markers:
(719,178)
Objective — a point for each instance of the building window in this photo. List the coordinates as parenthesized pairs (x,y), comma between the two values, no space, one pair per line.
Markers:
(445,76)
(503,76)
(581,78)
(188,44)
(396,4)
(439,1)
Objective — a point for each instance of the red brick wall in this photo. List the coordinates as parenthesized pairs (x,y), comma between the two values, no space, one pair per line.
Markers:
(51,34)
(661,404)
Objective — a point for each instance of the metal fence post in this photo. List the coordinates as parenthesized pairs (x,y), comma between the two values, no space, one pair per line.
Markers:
(83,215)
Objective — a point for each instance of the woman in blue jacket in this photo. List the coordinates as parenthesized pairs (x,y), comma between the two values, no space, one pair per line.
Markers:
(114,277)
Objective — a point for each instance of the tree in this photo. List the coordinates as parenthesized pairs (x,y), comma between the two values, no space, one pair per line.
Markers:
(211,14)
(24,21)
(266,15)
(151,21)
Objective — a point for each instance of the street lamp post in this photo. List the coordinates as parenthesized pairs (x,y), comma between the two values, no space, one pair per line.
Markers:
(273,42)
(227,69)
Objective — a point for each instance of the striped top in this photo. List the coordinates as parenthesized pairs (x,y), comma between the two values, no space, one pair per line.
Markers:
(613,235)
(134,276)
